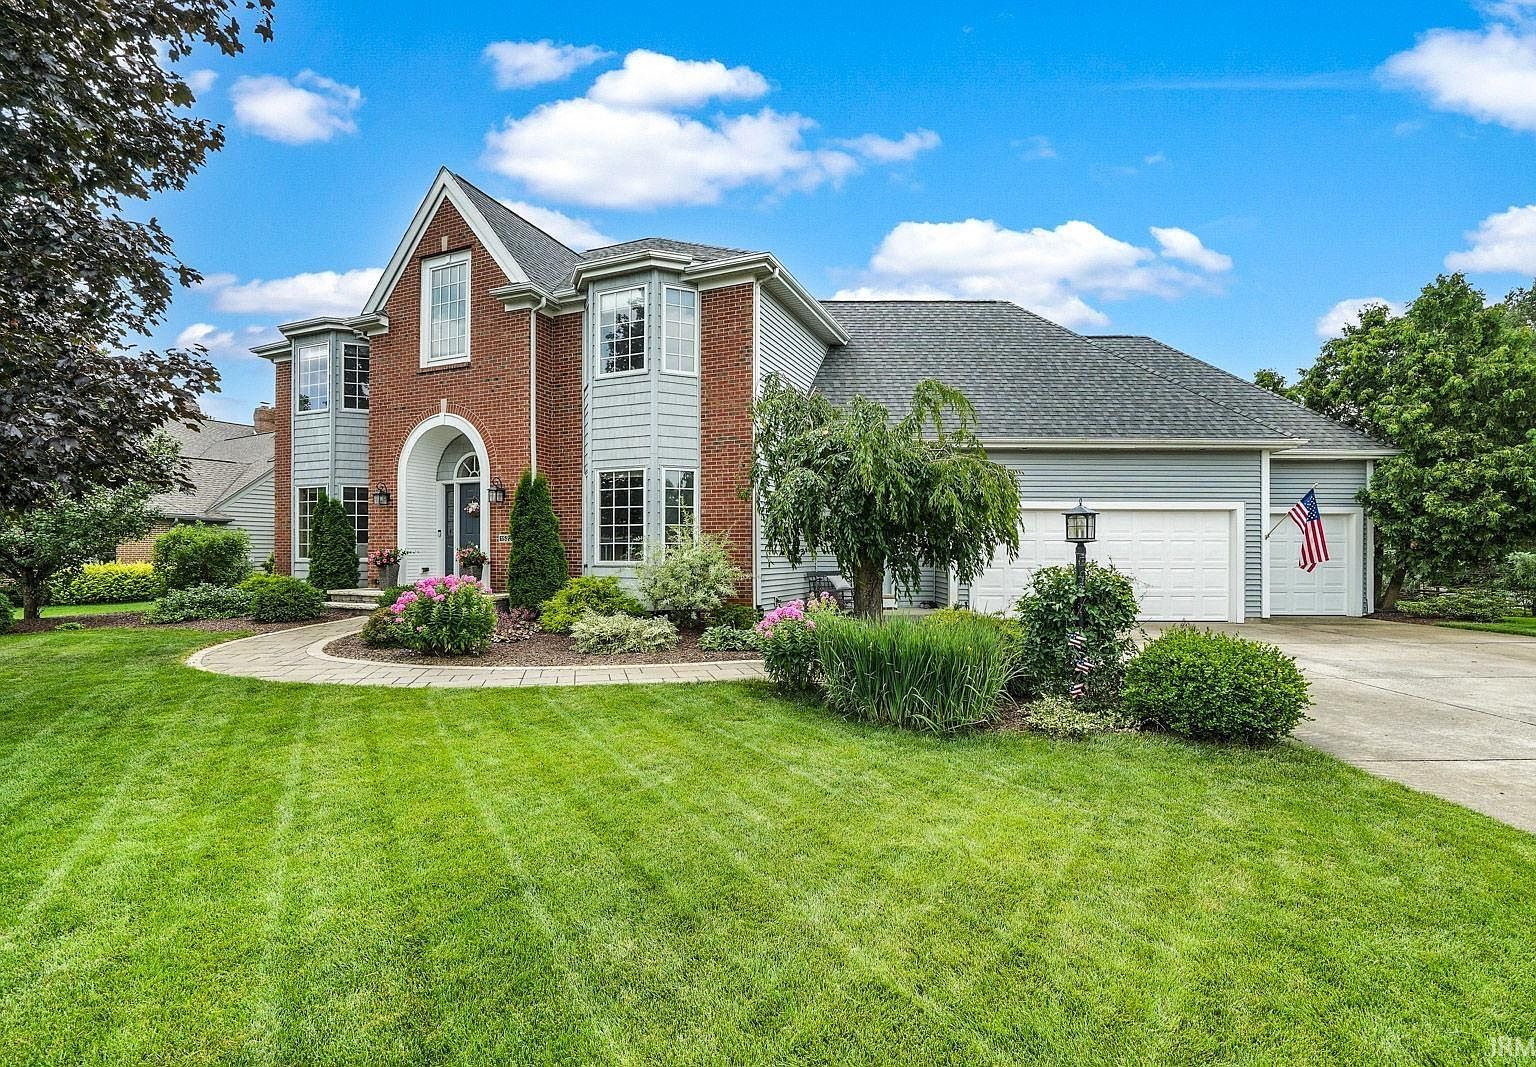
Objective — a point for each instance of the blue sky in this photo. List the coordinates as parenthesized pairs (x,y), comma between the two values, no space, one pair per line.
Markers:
(1219,178)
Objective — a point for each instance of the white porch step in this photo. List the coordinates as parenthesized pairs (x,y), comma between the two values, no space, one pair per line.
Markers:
(354,599)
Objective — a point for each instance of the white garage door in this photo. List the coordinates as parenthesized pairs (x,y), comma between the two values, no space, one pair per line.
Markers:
(1333,588)
(1180,559)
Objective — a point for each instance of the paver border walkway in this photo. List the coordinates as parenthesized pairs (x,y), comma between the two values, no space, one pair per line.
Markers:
(298,655)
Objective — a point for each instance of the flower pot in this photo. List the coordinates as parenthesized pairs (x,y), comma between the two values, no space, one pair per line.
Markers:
(389,574)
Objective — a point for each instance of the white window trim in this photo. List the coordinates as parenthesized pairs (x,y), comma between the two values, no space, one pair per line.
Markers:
(697,339)
(697,493)
(597,335)
(597,516)
(363,491)
(367,354)
(427,267)
(298,376)
(297,515)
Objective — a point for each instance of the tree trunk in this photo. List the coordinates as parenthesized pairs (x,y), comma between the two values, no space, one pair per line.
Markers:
(31,596)
(1393,590)
(869,589)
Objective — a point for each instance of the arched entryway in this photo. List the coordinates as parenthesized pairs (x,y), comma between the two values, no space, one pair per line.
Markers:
(443,507)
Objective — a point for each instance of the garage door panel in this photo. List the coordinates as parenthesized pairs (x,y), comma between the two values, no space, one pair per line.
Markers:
(1179,559)
(1331,589)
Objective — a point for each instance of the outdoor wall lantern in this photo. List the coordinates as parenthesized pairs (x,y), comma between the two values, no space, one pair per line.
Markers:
(497,493)
(381,496)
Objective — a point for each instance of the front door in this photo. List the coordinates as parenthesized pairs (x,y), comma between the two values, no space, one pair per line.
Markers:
(461,521)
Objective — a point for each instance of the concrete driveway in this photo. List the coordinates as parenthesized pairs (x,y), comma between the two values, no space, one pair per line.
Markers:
(1445,711)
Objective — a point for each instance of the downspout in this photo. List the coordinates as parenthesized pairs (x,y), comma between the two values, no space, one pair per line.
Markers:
(533,388)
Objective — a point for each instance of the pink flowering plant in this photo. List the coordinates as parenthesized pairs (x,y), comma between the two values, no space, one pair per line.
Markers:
(385,557)
(448,616)
(787,637)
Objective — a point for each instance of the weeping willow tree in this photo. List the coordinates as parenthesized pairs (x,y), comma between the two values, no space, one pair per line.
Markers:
(880,494)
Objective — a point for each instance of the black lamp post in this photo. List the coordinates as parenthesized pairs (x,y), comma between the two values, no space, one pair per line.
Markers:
(381,496)
(1082,529)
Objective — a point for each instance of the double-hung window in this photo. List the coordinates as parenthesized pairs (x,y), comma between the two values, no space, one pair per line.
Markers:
(354,377)
(314,384)
(445,308)
(621,330)
(305,500)
(354,501)
(681,320)
(621,516)
(680,504)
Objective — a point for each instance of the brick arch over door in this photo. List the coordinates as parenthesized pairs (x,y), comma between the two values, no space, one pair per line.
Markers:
(419,507)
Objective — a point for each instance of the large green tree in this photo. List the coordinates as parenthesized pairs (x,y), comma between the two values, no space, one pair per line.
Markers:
(1452,383)
(880,493)
(93,120)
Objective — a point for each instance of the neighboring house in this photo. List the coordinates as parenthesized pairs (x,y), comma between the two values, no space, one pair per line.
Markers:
(230,466)
(625,375)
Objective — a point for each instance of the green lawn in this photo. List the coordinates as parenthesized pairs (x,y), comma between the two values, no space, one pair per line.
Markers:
(63,611)
(1524,625)
(203,868)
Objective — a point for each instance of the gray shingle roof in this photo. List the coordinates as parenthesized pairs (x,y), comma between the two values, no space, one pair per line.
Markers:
(218,457)
(1228,389)
(1027,377)
(699,253)
(547,262)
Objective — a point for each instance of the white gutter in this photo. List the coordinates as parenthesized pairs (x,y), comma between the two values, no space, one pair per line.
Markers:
(1124,444)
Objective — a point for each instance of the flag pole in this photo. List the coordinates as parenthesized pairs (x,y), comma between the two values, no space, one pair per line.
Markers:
(1287,515)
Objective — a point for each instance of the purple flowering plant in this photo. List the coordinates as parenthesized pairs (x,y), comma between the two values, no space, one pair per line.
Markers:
(447,616)
(788,641)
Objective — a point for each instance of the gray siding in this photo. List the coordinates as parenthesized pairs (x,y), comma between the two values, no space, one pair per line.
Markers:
(786,346)
(251,509)
(330,447)
(1337,481)
(1152,476)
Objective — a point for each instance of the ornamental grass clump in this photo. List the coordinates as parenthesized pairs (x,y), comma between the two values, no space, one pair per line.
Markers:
(902,673)
(787,638)
(448,616)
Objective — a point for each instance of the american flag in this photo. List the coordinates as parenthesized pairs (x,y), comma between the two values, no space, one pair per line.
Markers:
(1314,545)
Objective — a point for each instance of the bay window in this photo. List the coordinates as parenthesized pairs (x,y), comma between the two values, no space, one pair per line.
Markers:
(314,377)
(621,516)
(680,503)
(680,317)
(621,330)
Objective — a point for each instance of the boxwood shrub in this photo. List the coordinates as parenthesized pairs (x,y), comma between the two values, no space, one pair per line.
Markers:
(206,601)
(106,583)
(279,598)
(383,629)
(7,617)
(729,639)
(196,554)
(1215,687)
(1048,612)
(1464,605)
(600,596)
(908,674)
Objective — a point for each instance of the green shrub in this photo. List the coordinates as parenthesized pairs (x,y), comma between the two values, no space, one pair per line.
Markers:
(536,566)
(70,626)
(448,616)
(607,635)
(1519,576)
(332,546)
(1065,718)
(600,596)
(728,639)
(904,673)
(1010,630)
(692,578)
(787,639)
(1215,687)
(189,555)
(1048,611)
(206,601)
(105,583)
(7,615)
(279,598)
(383,629)
(735,616)
(391,594)
(1464,605)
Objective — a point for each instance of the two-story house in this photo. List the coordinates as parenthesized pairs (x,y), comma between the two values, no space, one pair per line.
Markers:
(626,374)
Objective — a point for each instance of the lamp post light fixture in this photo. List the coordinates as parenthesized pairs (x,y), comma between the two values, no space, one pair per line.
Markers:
(381,496)
(497,493)
(1082,529)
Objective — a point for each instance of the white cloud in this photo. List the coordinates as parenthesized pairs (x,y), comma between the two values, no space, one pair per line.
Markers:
(1187,248)
(1489,74)
(576,233)
(1505,242)
(518,64)
(200,81)
(584,152)
(325,292)
(1036,147)
(653,80)
(1155,159)
(1052,271)
(1347,313)
(885,150)
(221,342)
(308,108)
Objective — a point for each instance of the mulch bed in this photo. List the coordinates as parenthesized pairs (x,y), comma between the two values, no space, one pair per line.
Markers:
(135,621)
(541,650)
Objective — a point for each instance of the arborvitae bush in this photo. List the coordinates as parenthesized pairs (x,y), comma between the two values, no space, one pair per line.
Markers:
(332,546)
(536,567)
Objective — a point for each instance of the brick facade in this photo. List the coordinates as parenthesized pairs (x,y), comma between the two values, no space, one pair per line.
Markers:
(725,420)
(142,551)
(559,418)
(282,487)
(490,392)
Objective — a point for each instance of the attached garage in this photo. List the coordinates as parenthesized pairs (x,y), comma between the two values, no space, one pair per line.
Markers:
(1186,558)
(1332,588)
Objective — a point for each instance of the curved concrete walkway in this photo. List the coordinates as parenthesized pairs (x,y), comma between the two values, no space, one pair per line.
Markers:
(297,655)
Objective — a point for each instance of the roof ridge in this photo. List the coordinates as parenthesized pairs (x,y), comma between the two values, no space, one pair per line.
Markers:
(523,218)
